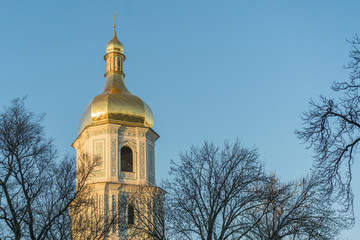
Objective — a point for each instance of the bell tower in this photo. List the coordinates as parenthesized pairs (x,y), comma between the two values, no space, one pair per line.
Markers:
(116,130)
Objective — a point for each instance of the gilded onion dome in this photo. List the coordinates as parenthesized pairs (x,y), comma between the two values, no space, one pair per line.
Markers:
(116,104)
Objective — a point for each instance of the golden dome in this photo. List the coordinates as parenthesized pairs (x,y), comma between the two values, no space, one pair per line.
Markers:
(114,45)
(116,104)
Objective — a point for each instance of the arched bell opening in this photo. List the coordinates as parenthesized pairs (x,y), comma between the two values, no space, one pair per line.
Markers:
(127,160)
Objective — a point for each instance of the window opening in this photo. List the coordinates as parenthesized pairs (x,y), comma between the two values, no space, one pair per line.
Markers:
(126,159)
(131,214)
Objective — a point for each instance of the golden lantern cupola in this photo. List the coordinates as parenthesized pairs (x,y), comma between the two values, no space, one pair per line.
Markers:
(114,55)
(116,104)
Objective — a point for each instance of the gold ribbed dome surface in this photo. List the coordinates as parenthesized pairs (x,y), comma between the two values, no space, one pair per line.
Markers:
(116,105)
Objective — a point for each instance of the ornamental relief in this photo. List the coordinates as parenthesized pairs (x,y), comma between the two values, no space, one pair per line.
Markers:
(151,164)
(99,152)
(101,132)
(131,132)
(142,160)
(130,142)
(113,157)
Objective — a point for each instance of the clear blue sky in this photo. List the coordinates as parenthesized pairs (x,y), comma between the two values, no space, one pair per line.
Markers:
(210,70)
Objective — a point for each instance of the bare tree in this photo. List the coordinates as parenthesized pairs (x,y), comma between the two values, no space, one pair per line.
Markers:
(332,129)
(212,191)
(36,189)
(89,221)
(150,218)
(295,210)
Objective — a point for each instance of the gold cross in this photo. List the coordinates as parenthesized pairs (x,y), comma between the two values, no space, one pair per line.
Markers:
(114,17)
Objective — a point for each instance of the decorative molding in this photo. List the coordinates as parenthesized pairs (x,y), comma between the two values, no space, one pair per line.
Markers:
(99,152)
(101,132)
(113,212)
(132,132)
(151,164)
(142,159)
(122,202)
(130,142)
(151,135)
(113,156)
(127,175)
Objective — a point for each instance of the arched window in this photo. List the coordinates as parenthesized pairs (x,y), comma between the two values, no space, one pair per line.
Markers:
(126,159)
(131,215)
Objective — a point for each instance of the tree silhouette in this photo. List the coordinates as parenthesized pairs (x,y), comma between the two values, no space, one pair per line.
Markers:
(332,130)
